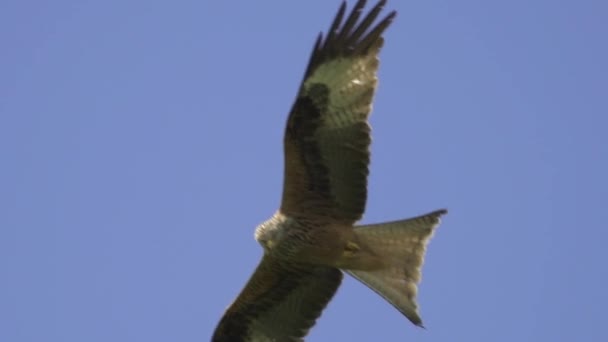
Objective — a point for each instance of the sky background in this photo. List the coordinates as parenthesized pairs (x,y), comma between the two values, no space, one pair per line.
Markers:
(140,145)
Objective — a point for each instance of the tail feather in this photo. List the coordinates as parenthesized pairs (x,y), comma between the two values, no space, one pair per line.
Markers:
(401,245)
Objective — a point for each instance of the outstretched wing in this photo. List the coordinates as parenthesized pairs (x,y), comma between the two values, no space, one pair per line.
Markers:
(327,136)
(279,303)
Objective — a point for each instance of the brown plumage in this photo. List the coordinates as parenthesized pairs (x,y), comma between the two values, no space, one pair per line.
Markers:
(312,236)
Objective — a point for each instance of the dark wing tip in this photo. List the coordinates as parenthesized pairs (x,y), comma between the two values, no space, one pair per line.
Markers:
(436,215)
(353,37)
(440,212)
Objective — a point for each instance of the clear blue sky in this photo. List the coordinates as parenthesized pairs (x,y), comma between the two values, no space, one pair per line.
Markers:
(140,145)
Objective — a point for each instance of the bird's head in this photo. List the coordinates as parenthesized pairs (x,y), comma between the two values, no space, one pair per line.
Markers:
(266,234)
(270,233)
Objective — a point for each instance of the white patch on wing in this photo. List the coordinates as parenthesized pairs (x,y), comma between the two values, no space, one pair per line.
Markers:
(351,83)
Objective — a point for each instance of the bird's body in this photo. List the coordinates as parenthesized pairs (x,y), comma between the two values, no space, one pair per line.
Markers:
(309,242)
(313,236)
(301,240)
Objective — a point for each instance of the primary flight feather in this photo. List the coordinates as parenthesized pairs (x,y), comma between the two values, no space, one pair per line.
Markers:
(312,238)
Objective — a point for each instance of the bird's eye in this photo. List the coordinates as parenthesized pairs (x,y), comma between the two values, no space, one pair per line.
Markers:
(270,243)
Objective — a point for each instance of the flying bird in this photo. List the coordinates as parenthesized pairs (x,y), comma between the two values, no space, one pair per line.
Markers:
(313,237)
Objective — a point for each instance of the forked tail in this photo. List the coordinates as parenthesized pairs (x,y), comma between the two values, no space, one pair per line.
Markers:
(401,244)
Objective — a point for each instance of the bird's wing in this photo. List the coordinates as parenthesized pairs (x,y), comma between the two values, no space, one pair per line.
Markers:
(279,303)
(327,136)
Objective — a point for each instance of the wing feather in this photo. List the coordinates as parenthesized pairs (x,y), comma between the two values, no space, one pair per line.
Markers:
(327,136)
(281,302)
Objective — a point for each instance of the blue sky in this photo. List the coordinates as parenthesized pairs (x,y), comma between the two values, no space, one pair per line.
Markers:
(140,144)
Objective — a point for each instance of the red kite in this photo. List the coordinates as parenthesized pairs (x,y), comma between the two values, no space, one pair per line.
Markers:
(312,238)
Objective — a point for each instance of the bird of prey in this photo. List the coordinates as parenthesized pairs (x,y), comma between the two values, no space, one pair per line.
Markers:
(313,236)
